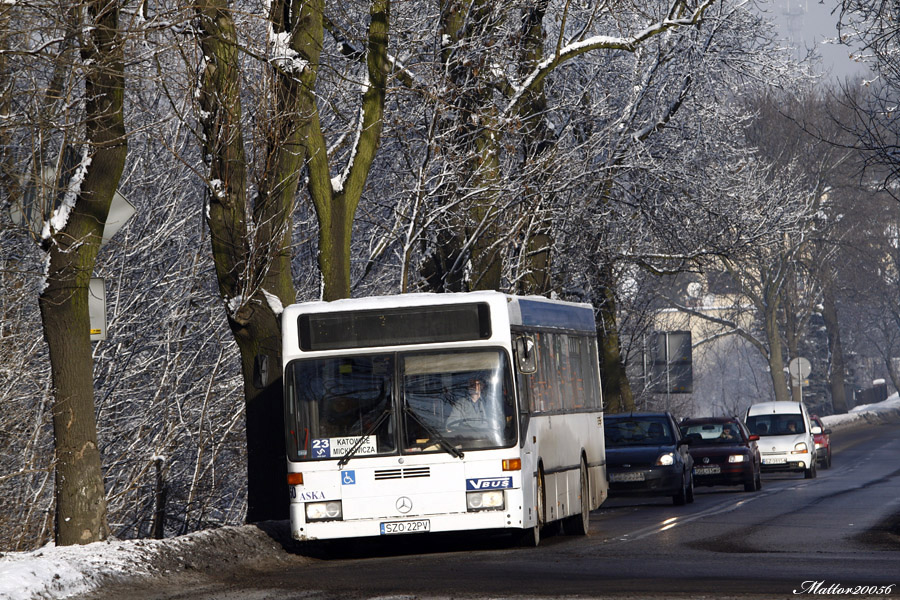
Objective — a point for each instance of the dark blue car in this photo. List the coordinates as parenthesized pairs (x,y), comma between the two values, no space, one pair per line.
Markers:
(646,456)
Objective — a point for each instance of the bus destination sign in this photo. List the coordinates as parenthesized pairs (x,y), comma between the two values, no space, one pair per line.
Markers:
(337,447)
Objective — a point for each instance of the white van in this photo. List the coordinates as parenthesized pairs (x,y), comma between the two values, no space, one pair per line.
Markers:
(786,436)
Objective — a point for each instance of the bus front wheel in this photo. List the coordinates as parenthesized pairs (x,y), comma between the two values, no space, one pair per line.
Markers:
(531,536)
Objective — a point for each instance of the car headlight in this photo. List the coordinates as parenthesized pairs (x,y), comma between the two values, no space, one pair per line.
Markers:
(324,511)
(800,448)
(737,458)
(492,500)
(665,460)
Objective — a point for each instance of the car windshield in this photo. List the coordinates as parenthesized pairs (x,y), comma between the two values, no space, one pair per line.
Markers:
(712,433)
(776,424)
(637,431)
(349,407)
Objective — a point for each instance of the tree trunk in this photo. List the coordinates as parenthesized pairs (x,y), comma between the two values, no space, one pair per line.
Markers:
(617,394)
(538,139)
(775,356)
(335,203)
(438,271)
(335,236)
(471,128)
(253,259)
(832,330)
(72,245)
(537,279)
(258,334)
(80,496)
(792,329)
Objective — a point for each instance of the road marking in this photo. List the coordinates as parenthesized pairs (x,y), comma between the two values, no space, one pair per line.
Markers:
(673,522)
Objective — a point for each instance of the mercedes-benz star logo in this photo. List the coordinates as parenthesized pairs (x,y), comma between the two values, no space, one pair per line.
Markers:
(404,504)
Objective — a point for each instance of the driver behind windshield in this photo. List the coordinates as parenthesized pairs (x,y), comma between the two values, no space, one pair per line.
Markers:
(469,412)
(728,434)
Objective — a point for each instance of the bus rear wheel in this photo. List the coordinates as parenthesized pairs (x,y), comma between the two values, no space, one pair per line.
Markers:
(580,524)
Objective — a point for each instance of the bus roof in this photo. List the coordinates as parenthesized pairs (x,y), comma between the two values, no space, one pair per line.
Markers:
(524,311)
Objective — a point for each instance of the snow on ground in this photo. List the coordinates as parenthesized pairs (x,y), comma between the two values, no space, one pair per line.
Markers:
(52,573)
(866,413)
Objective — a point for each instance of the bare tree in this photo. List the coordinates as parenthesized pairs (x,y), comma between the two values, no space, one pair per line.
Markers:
(873,27)
(251,232)
(779,276)
(543,102)
(80,59)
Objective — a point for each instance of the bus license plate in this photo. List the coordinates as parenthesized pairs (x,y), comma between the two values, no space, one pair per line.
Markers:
(393,527)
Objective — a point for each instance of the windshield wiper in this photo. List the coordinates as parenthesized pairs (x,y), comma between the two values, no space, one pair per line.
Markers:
(355,448)
(442,441)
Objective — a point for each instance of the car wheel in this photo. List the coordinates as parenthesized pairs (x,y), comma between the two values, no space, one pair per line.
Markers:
(690,490)
(680,499)
(810,473)
(753,484)
(580,524)
(827,464)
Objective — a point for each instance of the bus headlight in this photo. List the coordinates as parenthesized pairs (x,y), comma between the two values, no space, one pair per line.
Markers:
(492,500)
(324,511)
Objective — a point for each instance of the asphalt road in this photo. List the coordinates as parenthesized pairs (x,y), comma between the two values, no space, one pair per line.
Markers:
(794,538)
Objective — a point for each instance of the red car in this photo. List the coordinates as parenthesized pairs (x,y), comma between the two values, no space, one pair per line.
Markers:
(823,442)
(724,452)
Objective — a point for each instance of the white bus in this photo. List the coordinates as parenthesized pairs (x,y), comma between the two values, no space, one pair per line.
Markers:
(388,433)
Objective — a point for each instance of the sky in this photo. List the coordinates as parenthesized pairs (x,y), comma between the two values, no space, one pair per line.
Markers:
(810,23)
(52,573)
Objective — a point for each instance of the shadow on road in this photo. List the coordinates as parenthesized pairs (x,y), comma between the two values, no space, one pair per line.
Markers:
(388,546)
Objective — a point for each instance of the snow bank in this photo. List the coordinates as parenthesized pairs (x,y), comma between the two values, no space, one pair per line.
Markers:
(882,412)
(52,572)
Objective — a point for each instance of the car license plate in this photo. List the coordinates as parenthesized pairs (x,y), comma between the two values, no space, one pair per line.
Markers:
(635,476)
(710,470)
(394,527)
(774,461)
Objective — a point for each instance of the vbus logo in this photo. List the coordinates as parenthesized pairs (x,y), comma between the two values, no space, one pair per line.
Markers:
(489,483)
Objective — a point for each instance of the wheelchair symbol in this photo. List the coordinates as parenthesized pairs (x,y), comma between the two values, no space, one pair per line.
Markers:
(348,478)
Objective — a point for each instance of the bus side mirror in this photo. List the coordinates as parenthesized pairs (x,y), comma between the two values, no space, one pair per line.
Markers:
(524,351)
(261,371)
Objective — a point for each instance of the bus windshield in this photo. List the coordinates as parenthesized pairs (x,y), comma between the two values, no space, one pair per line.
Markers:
(463,397)
(409,403)
(336,405)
